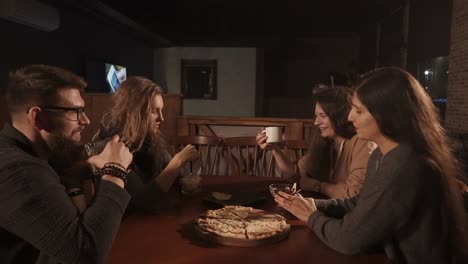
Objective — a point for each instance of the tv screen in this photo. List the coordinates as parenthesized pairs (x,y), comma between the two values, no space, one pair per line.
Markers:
(115,75)
(102,76)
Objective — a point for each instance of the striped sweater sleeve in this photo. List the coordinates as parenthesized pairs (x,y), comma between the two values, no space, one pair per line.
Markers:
(36,208)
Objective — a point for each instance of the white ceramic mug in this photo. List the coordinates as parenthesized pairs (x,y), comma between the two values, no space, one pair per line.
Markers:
(274,134)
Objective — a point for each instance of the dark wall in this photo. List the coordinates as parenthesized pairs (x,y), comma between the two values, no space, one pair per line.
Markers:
(428,35)
(294,65)
(80,40)
(367,48)
(429,31)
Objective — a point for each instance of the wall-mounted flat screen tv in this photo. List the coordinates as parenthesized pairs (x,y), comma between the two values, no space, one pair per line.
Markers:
(103,77)
(115,75)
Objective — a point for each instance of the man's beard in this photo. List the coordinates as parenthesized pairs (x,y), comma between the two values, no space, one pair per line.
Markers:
(62,143)
(64,152)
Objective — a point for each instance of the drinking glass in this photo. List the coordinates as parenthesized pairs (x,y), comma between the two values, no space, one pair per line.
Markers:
(190,182)
(286,188)
(283,187)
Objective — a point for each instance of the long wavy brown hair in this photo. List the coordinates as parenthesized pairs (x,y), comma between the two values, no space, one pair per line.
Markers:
(130,112)
(406,114)
(336,103)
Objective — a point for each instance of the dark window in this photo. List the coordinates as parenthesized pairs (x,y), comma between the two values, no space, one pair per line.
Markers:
(199,79)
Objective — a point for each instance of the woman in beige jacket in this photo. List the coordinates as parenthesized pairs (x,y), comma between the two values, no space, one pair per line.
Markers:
(335,164)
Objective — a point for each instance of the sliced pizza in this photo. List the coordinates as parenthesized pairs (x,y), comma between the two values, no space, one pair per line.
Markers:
(242,223)
(223,227)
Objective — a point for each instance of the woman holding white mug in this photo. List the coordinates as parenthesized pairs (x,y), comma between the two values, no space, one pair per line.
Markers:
(410,204)
(335,164)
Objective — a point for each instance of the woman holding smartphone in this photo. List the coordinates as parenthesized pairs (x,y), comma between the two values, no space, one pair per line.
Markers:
(410,204)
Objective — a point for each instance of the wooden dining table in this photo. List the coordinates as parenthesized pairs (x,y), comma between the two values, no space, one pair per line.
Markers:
(169,237)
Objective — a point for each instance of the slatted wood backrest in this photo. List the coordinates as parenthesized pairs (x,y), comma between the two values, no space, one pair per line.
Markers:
(207,146)
(296,149)
(245,157)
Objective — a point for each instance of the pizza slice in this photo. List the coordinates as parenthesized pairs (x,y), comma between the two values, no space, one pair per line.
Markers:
(230,212)
(223,227)
(240,211)
(264,227)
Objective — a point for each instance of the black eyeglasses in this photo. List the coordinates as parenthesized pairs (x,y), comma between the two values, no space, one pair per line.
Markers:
(78,110)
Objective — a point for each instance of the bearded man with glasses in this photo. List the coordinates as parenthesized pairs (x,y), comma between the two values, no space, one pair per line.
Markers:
(38,216)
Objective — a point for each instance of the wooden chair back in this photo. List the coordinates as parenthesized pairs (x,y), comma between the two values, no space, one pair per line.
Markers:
(245,157)
(207,146)
(296,149)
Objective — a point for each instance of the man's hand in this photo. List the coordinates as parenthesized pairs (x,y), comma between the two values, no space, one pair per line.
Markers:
(115,151)
(297,205)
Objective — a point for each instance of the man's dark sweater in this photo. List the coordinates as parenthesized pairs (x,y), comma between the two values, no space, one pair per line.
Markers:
(37,214)
(400,208)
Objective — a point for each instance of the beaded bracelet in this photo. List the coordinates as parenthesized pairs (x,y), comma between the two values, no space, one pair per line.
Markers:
(75,193)
(113,169)
(116,165)
(99,172)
